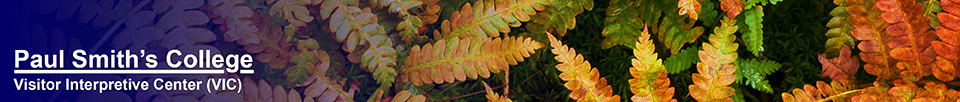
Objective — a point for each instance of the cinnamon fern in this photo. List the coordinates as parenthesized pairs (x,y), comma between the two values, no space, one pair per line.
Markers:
(456,59)
(584,81)
(650,82)
(716,70)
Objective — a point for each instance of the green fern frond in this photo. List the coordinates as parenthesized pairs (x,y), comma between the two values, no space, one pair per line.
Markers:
(682,61)
(752,29)
(752,72)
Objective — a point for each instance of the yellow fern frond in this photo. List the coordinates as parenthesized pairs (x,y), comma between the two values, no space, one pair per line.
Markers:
(581,78)
(716,70)
(458,59)
(650,82)
(493,96)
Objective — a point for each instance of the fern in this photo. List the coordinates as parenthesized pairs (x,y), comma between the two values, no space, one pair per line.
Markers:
(310,61)
(842,68)
(911,37)
(559,16)
(458,59)
(650,82)
(273,47)
(320,89)
(840,30)
(585,82)
(682,61)
(908,91)
(621,24)
(949,46)
(753,72)
(873,42)
(822,92)
(486,18)
(407,96)
(493,96)
(752,29)
(732,7)
(716,70)
(410,26)
(293,11)
(690,7)
(235,20)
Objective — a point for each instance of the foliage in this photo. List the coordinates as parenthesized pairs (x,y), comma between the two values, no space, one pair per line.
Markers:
(407,96)
(689,7)
(716,70)
(752,29)
(842,68)
(752,72)
(682,61)
(650,82)
(911,37)
(486,18)
(559,16)
(840,30)
(822,92)
(948,48)
(873,42)
(493,96)
(458,59)
(584,81)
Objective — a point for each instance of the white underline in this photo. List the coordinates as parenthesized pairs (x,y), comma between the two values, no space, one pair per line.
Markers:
(159,71)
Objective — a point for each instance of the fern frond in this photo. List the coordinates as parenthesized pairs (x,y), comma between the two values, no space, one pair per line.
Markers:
(559,16)
(873,41)
(621,27)
(320,89)
(911,37)
(311,61)
(949,46)
(907,91)
(407,96)
(842,68)
(488,18)
(716,70)
(584,81)
(751,27)
(840,32)
(732,7)
(690,7)
(753,72)
(293,11)
(493,96)
(650,82)
(236,20)
(682,61)
(455,59)
(821,93)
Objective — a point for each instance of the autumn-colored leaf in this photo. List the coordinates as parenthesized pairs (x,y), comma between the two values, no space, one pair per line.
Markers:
(873,41)
(450,60)
(493,96)
(822,92)
(840,32)
(487,18)
(650,82)
(235,20)
(558,17)
(407,96)
(912,37)
(716,70)
(842,68)
(273,47)
(948,48)
(732,7)
(584,81)
(691,7)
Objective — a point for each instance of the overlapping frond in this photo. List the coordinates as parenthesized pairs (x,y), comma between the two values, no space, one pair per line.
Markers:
(319,89)
(911,35)
(650,82)
(456,59)
(822,92)
(841,68)
(873,40)
(559,16)
(493,96)
(841,30)
(949,47)
(407,96)
(488,18)
(715,69)
(584,81)
(907,91)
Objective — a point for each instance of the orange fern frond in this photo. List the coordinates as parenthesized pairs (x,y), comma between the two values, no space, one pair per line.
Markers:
(822,92)
(407,96)
(455,59)
(911,37)
(716,70)
(842,68)
(320,89)
(650,82)
(873,41)
(732,7)
(488,18)
(691,7)
(907,91)
(949,46)
(584,81)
